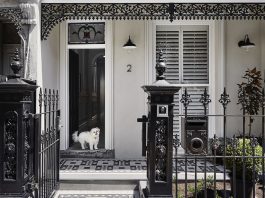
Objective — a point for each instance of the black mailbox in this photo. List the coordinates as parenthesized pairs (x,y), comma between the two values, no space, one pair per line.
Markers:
(195,135)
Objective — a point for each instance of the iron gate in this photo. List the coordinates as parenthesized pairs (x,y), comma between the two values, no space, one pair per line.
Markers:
(47,141)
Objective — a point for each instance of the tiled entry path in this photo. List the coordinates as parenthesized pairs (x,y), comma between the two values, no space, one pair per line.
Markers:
(105,178)
(113,169)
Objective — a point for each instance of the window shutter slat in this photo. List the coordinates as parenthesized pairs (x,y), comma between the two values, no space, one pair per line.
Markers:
(195,57)
(168,42)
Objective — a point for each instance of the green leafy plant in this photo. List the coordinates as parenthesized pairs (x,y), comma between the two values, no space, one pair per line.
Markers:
(249,93)
(200,186)
(249,151)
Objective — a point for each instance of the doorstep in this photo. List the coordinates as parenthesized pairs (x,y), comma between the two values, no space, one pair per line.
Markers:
(98,189)
(78,153)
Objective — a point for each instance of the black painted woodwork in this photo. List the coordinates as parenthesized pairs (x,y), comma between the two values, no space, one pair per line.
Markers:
(73,92)
(160,133)
(16,136)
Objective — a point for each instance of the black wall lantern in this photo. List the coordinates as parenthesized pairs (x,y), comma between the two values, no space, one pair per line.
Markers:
(129,45)
(246,44)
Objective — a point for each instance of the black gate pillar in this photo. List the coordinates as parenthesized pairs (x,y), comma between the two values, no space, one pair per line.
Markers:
(16,134)
(160,134)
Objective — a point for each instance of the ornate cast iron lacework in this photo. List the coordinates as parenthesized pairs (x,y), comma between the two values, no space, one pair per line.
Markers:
(10,141)
(13,14)
(161,149)
(54,13)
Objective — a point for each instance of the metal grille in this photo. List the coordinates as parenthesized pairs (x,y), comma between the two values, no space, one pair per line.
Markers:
(48,143)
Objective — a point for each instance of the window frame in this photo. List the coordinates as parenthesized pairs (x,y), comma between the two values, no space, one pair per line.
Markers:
(216,64)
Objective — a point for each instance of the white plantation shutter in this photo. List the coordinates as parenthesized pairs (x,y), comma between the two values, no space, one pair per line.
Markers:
(167,40)
(195,107)
(185,50)
(195,57)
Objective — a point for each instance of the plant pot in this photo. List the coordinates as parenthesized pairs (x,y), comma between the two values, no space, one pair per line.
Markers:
(210,193)
(240,191)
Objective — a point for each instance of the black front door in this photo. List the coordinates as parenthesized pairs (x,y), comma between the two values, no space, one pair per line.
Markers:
(86,93)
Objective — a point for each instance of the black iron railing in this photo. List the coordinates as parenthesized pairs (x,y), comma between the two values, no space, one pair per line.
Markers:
(48,143)
(239,160)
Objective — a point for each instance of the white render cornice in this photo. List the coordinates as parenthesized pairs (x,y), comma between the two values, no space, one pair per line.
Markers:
(152,1)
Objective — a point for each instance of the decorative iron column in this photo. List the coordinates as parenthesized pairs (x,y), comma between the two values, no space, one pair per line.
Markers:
(16,134)
(160,134)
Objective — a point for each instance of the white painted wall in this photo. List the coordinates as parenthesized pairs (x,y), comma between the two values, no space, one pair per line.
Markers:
(237,62)
(8,3)
(50,60)
(129,98)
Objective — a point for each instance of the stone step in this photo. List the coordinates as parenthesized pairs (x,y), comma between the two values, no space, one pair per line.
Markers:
(102,169)
(97,189)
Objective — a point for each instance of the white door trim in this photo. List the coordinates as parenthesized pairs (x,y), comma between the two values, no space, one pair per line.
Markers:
(64,81)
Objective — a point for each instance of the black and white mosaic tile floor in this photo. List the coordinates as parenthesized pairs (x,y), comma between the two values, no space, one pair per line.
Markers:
(110,165)
(99,169)
(102,169)
(91,165)
(113,169)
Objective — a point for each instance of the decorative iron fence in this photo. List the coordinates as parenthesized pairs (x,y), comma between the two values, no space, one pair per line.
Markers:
(226,166)
(47,143)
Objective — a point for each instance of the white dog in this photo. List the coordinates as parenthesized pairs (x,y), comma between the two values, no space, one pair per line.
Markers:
(91,137)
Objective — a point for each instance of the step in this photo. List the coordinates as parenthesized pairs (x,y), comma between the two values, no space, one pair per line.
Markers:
(97,189)
(77,153)
(102,169)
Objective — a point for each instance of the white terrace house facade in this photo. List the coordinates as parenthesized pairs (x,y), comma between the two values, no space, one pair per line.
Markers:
(222,63)
(99,81)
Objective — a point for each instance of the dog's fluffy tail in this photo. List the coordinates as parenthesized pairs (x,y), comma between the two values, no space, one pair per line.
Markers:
(75,136)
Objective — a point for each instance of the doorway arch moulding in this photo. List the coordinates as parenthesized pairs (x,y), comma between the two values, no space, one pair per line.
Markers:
(54,13)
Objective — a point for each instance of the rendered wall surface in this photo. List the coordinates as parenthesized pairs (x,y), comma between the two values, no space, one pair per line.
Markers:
(129,98)
(51,60)
(8,3)
(237,62)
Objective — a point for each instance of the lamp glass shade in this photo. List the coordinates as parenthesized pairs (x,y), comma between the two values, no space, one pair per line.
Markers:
(129,44)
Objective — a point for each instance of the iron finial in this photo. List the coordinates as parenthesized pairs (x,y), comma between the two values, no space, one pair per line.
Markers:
(16,65)
(224,100)
(160,66)
(185,99)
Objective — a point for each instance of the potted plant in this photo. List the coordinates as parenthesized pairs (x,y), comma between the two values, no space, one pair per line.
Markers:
(249,93)
(252,168)
(200,188)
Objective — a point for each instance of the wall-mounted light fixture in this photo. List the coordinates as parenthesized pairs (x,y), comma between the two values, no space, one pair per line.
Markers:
(129,45)
(246,44)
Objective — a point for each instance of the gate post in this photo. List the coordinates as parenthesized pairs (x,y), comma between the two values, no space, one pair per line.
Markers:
(160,134)
(16,134)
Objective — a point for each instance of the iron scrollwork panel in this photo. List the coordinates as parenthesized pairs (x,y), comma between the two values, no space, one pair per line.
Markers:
(10,145)
(14,15)
(161,134)
(54,13)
